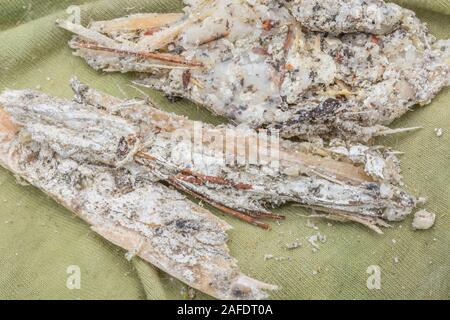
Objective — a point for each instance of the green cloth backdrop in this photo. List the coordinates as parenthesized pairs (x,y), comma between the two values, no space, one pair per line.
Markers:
(39,239)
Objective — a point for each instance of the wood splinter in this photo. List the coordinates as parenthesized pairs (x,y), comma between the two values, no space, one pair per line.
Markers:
(164,57)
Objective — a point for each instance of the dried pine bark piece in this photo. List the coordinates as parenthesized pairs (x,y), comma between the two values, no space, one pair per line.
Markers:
(73,154)
(361,185)
(335,69)
(360,182)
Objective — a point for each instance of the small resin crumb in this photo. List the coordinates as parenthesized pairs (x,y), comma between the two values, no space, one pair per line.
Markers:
(312,225)
(268,257)
(315,239)
(129,256)
(396,259)
(191,293)
(278,259)
(423,220)
(322,238)
(394,241)
(439,132)
(293,245)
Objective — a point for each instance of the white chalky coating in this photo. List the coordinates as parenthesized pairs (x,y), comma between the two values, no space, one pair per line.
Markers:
(423,220)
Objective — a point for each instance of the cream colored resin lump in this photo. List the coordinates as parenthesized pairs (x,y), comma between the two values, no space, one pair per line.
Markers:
(423,220)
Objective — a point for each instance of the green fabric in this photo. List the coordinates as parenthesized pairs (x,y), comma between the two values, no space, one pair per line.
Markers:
(39,239)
